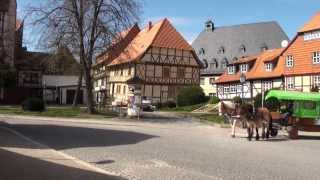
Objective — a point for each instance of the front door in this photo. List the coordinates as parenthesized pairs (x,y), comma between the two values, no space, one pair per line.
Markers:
(70,96)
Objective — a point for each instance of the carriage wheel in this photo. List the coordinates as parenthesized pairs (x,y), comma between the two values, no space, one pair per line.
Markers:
(274,132)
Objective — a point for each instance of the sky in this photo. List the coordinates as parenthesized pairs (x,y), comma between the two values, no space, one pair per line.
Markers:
(188,16)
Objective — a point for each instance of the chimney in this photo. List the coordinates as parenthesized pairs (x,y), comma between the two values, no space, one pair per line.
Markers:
(149,25)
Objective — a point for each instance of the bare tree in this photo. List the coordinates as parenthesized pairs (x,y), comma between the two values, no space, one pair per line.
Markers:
(86,27)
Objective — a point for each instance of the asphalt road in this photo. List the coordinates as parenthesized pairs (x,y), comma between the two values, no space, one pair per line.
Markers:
(181,149)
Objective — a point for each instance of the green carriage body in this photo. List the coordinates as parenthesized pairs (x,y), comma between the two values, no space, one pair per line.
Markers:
(306,104)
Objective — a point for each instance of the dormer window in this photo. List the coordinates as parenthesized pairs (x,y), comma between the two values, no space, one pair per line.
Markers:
(268,66)
(242,49)
(311,35)
(235,59)
(316,57)
(231,70)
(221,50)
(213,64)
(289,61)
(244,68)
(264,47)
(201,51)
(224,63)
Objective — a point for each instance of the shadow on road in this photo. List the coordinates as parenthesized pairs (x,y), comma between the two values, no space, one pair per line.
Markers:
(15,166)
(67,137)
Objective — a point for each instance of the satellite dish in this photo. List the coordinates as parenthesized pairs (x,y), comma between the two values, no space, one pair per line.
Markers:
(284,43)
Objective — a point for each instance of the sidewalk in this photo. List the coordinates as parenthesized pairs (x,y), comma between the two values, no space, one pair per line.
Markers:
(23,159)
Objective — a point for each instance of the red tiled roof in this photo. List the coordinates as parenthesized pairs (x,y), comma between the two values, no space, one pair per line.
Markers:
(258,70)
(246,59)
(161,34)
(19,23)
(313,24)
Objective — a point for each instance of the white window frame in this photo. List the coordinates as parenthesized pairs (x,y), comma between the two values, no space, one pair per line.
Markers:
(268,66)
(231,69)
(226,89)
(311,35)
(233,89)
(202,81)
(316,80)
(244,68)
(290,83)
(267,85)
(289,61)
(316,57)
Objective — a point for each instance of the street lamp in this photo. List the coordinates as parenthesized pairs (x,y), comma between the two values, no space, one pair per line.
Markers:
(242,81)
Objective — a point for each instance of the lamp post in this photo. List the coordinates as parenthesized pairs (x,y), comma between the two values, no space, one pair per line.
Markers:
(242,81)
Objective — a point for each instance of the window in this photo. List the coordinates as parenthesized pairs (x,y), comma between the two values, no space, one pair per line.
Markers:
(129,71)
(264,47)
(201,51)
(267,85)
(233,89)
(226,89)
(116,72)
(121,72)
(166,72)
(316,57)
(290,82)
(1,22)
(201,81)
(224,63)
(118,89)
(309,105)
(124,89)
(221,50)
(102,82)
(181,73)
(231,70)
(311,35)
(268,66)
(316,80)
(289,61)
(243,68)
(212,80)
(213,64)
(242,49)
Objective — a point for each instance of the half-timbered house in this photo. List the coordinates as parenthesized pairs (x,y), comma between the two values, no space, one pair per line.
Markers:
(157,58)
(302,57)
(259,72)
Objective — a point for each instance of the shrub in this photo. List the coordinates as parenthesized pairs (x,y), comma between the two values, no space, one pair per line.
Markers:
(190,96)
(214,100)
(237,100)
(33,104)
(171,104)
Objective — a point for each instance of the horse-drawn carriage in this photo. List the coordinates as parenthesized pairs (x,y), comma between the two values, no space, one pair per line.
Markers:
(303,111)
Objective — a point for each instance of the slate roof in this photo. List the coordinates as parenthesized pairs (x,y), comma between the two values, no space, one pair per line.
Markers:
(258,70)
(253,37)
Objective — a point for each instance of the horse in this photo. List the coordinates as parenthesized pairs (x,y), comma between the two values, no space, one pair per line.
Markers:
(231,112)
(260,119)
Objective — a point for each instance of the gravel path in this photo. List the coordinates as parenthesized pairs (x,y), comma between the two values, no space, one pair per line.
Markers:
(181,149)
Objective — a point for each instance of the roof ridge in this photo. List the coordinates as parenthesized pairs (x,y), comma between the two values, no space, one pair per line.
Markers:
(248,24)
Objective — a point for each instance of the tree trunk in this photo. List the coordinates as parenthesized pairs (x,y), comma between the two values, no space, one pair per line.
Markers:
(90,101)
(76,95)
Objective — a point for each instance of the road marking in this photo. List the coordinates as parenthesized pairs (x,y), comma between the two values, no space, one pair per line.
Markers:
(68,157)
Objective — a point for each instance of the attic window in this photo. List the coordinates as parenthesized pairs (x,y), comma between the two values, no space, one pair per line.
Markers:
(311,35)
(231,70)
(235,59)
(221,50)
(201,51)
(264,47)
(224,63)
(213,64)
(268,66)
(242,49)
(244,68)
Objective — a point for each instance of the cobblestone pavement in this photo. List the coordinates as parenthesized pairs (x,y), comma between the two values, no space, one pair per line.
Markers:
(181,149)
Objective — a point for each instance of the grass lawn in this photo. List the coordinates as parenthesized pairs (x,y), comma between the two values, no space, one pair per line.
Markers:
(182,109)
(214,118)
(65,112)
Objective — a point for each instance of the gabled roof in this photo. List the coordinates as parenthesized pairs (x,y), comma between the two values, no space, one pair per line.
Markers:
(312,24)
(161,34)
(252,36)
(258,70)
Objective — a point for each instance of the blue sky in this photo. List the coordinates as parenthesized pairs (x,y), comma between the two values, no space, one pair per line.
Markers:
(189,16)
